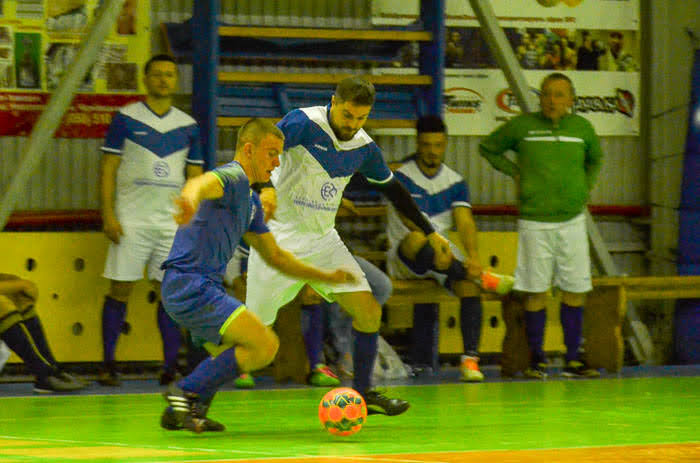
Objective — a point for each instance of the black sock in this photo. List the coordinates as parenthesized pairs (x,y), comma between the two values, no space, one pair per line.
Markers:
(470,314)
(456,271)
(18,339)
(36,330)
(424,335)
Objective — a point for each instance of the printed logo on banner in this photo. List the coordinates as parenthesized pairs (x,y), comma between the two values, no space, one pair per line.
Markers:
(622,102)
(462,100)
(507,102)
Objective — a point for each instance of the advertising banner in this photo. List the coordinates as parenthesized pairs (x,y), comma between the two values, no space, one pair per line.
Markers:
(39,40)
(476,104)
(599,52)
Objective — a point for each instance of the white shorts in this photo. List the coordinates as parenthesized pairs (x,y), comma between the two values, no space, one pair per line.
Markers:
(138,248)
(234,266)
(553,254)
(398,270)
(269,289)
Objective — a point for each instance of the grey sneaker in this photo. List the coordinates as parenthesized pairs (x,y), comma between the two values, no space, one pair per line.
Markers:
(52,383)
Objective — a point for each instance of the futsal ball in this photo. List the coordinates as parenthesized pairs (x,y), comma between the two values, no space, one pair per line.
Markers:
(342,411)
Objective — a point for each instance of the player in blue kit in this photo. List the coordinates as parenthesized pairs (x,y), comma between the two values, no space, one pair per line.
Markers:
(324,146)
(216,210)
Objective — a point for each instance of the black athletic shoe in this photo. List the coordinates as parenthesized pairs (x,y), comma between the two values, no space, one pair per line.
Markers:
(51,384)
(166,377)
(186,411)
(379,404)
(169,421)
(108,378)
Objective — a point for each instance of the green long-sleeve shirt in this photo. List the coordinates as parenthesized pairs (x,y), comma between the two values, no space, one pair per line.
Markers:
(557,164)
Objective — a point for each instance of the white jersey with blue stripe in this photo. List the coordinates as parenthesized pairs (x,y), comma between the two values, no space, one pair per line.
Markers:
(435,196)
(315,168)
(154,151)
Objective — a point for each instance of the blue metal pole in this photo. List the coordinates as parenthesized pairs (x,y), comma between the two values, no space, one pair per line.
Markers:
(205,59)
(431,60)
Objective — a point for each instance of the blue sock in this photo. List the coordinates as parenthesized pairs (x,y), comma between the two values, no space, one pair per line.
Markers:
(172,338)
(113,315)
(470,313)
(209,375)
(424,335)
(571,323)
(363,359)
(534,327)
(312,331)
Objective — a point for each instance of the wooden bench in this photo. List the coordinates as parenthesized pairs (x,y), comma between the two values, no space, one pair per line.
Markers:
(605,310)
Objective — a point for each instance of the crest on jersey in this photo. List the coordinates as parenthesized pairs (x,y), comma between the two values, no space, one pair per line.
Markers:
(328,191)
(161,169)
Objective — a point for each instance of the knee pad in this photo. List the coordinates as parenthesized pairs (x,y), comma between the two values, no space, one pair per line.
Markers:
(423,261)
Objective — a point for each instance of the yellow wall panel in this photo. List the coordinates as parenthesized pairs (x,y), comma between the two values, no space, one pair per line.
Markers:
(69,295)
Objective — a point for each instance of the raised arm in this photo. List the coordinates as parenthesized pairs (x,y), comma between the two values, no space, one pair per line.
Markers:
(286,262)
(197,189)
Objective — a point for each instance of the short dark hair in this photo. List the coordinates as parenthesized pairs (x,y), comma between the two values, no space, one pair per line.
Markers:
(161,57)
(355,90)
(430,124)
(617,34)
(558,76)
(255,130)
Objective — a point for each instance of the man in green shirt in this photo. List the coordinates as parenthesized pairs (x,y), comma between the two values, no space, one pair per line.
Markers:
(557,160)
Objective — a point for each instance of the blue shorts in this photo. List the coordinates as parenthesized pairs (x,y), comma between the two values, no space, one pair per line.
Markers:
(199,304)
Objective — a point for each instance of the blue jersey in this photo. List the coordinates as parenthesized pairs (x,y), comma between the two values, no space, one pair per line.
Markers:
(435,196)
(206,245)
(315,168)
(154,150)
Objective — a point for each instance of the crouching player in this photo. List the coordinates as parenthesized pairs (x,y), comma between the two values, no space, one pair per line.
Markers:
(216,209)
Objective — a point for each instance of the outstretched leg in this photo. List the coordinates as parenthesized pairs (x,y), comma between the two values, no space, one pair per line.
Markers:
(366,314)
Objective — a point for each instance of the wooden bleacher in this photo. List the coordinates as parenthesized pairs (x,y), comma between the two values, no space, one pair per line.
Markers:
(242,95)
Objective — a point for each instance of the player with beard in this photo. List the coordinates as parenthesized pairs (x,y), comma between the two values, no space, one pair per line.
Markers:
(443,196)
(324,146)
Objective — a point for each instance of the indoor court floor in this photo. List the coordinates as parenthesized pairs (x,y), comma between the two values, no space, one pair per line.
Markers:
(633,418)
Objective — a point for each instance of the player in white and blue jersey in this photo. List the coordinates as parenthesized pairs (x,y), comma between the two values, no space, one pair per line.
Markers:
(443,196)
(216,210)
(324,146)
(150,149)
